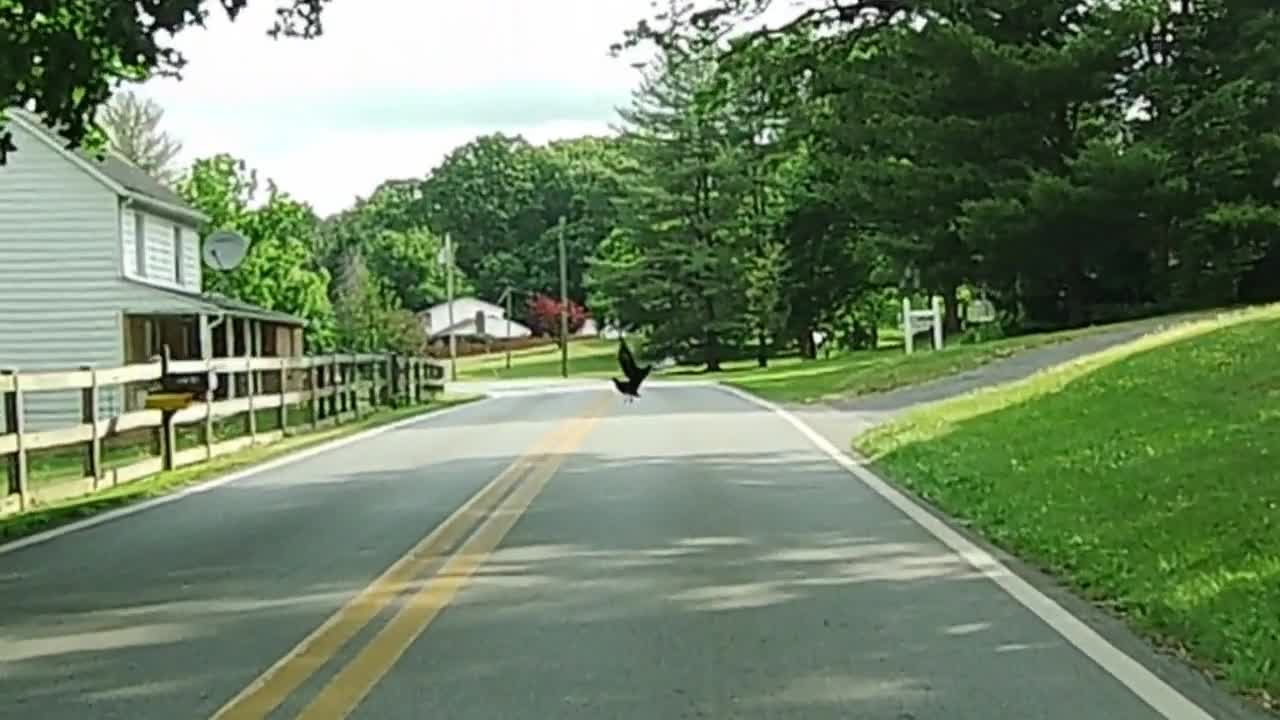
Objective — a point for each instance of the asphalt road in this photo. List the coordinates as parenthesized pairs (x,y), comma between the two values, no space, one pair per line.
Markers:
(690,555)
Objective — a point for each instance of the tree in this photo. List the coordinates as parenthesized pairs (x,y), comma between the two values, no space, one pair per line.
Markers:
(65,58)
(501,199)
(391,230)
(132,125)
(682,198)
(683,30)
(368,314)
(544,316)
(765,274)
(485,195)
(280,271)
(1211,108)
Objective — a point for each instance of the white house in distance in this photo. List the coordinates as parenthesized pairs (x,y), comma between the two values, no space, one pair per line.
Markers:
(467,312)
(100,266)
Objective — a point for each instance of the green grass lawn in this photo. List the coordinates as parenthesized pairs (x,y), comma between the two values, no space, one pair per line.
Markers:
(588,357)
(1145,477)
(787,378)
(50,516)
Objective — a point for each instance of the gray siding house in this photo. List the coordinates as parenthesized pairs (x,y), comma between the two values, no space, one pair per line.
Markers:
(100,266)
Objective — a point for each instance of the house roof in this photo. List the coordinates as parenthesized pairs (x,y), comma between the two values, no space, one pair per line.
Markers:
(154,300)
(495,327)
(463,300)
(116,172)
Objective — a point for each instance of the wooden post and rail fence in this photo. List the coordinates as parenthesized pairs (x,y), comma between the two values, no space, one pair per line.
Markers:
(179,423)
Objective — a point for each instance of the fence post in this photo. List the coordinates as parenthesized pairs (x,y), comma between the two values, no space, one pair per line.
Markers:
(251,387)
(419,380)
(393,369)
(346,385)
(355,386)
(388,379)
(410,386)
(14,422)
(937,323)
(313,373)
(208,413)
(906,324)
(89,414)
(284,392)
(168,431)
(406,382)
(335,380)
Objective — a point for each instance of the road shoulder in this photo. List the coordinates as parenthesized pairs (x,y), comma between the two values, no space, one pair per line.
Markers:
(838,426)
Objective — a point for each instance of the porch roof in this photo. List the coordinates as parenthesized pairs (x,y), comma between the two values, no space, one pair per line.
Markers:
(155,300)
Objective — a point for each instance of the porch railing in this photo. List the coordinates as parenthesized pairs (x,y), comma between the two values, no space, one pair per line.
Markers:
(284,396)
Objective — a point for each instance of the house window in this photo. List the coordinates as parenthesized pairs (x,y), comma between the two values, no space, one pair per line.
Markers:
(177,254)
(139,244)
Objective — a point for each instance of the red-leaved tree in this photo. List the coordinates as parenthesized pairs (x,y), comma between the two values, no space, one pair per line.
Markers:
(544,316)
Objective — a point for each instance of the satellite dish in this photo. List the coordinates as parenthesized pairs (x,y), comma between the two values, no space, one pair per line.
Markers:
(224,249)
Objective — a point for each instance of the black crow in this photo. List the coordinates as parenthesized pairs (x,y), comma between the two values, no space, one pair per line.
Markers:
(630,388)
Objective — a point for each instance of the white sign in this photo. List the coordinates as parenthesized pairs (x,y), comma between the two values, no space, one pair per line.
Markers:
(980,311)
(921,320)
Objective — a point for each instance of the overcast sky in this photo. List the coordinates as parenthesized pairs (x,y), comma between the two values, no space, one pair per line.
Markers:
(393,86)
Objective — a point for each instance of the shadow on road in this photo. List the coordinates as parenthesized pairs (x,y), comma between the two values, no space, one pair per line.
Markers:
(708,572)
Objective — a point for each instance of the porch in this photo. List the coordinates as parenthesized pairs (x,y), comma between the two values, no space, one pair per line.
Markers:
(207,327)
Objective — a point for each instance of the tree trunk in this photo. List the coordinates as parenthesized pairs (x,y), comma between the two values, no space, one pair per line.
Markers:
(950,312)
(712,353)
(1077,313)
(712,347)
(808,350)
(762,350)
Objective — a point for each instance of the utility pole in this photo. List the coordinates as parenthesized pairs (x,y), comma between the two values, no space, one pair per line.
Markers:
(509,327)
(453,343)
(564,305)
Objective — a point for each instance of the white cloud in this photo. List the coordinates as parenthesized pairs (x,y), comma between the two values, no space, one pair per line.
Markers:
(393,86)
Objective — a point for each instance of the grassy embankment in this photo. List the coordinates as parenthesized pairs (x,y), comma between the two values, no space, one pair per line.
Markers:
(1144,477)
(788,378)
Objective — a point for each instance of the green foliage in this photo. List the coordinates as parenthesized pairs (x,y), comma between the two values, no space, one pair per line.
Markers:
(501,200)
(1074,166)
(674,266)
(1095,164)
(368,313)
(389,229)
(65,58)
(280,271)
(764,274)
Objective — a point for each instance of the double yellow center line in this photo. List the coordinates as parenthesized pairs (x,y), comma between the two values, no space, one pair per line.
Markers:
(527,475)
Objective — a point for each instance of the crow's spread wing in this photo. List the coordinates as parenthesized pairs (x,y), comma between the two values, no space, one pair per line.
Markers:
(627,361)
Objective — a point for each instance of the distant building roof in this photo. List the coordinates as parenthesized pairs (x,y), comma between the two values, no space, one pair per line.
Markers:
(461,300)
(495,327)
(116,170)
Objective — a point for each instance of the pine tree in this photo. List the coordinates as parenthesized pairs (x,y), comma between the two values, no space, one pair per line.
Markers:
(678,216)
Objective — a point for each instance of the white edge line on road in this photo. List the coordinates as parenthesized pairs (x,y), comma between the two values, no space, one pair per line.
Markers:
(1151,689)
(47,535)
